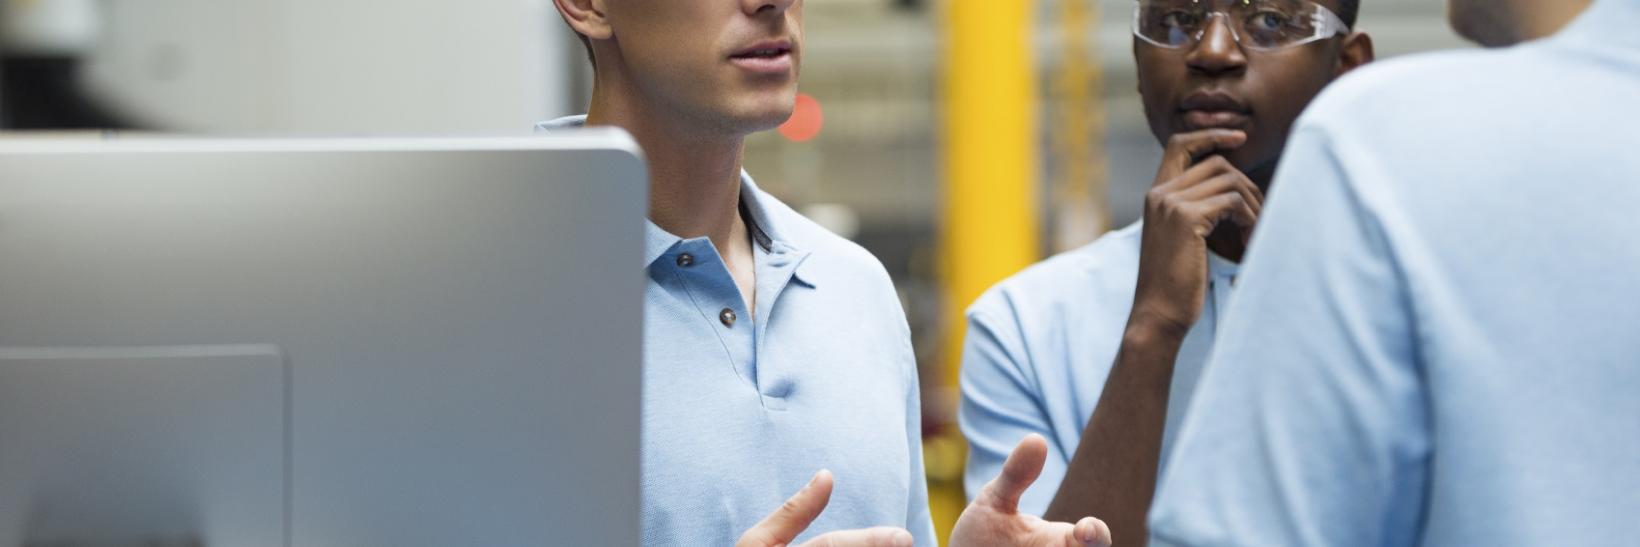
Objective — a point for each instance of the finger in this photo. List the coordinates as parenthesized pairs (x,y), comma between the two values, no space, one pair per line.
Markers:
(1198,173)
(882,536)
(794,516)
(1248,190)
(1233,181)
(1231,207)
(1090,532)
(1024,465)
(1185,149)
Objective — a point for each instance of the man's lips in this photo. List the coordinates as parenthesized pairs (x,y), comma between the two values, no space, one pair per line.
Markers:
(766,57)
(1209,109)
(1211,119)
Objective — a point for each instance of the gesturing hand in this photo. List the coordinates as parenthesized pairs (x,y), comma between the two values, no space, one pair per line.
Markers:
(994,520)
(794,516)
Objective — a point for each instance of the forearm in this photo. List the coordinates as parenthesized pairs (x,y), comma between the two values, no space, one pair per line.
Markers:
(1112,476)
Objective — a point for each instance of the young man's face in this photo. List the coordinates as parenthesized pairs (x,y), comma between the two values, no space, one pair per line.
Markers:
(1217,83)
(731,64)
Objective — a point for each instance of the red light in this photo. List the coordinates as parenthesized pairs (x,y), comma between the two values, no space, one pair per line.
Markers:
(806,120)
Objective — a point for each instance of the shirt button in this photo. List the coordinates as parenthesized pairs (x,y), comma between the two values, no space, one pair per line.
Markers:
(727,316)
(686,260)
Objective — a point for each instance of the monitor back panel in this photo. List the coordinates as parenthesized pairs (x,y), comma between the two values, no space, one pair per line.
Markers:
(462,321)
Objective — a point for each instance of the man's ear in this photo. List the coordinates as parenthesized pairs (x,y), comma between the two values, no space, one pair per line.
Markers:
(1356,51)
(586,17)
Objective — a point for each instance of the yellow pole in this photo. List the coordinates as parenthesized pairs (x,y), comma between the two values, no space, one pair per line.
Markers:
(1081,212)
(990,151)
(990,146)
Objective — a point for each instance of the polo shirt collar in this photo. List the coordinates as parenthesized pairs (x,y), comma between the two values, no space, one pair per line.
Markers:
(765,228)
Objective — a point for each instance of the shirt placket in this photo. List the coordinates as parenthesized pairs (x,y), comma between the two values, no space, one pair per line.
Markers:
(715,295)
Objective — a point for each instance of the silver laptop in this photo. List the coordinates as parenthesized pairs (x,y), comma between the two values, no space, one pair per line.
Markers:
(355,343)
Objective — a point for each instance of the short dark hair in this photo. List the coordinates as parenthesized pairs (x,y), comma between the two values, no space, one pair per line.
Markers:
(1348,10)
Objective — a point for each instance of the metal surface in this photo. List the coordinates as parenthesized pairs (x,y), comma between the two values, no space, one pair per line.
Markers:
(461,317)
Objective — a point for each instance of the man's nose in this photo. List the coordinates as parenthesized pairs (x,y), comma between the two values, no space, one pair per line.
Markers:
(1217,51)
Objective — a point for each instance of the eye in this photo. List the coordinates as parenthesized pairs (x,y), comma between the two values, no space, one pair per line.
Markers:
(1269,20)
(1180,19)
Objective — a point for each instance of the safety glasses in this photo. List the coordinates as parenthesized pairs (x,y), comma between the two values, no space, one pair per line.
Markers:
(1255,24)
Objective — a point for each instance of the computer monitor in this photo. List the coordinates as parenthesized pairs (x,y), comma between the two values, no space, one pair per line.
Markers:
(143,446)
(358,342)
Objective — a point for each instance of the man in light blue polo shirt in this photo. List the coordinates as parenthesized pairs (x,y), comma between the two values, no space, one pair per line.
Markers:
(1099,349)
(1436,337)
(772,348)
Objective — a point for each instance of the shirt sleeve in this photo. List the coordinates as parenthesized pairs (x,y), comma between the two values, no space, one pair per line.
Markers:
(1000,406)
(919,518)
(1309,426)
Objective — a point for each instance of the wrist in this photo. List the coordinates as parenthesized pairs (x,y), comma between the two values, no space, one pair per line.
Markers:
(1145,327)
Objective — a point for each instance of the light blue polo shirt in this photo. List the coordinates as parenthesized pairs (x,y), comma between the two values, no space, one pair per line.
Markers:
(740,409)
(1041,344)
(1435,339)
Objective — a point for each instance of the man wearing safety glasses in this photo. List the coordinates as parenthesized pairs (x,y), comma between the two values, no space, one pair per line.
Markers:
(1103,366)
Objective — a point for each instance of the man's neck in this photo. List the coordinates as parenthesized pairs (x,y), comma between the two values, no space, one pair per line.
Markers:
(694,174)
(1544,19)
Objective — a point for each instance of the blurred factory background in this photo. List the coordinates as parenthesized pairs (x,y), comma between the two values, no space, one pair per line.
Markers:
(887,149)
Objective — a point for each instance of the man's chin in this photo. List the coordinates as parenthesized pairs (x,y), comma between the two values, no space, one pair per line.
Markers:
(755,120)
(771,121)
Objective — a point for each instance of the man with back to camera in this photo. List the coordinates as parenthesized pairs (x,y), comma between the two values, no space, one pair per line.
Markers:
(1099,349)
(1433,342)
(772,348)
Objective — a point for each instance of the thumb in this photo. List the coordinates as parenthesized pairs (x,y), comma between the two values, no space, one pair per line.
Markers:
(1018,473)
(1089,532)
(793,517)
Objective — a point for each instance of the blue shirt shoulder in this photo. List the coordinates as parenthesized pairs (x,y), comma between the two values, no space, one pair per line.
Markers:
(1035,344)
(837,259)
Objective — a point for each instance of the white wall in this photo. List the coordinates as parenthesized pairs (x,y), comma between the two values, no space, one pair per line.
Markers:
(336,66)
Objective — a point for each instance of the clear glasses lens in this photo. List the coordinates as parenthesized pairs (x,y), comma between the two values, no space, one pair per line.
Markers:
(1261,24)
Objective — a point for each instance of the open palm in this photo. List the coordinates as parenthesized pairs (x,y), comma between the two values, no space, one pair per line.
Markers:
(994,518)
